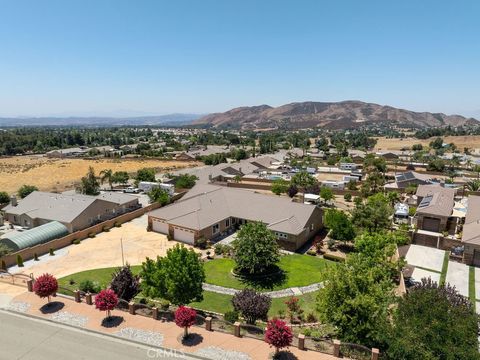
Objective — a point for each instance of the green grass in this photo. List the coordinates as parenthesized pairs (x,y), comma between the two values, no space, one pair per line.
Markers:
(299,270)
(102,276)
(443,275)
(221,303)
(471,286)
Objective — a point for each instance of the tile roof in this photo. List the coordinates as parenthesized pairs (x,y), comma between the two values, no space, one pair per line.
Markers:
(206,205)
(437,200)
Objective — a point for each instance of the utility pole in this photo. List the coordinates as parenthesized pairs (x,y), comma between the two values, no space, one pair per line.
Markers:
(121,247)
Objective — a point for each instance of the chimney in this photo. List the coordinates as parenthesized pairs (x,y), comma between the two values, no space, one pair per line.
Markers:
(13,200)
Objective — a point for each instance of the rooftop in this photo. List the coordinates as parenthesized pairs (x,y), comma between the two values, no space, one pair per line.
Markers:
(437,200)
(206,205)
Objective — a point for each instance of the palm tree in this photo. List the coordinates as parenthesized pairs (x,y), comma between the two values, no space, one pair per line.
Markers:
(473,185)
(107,176)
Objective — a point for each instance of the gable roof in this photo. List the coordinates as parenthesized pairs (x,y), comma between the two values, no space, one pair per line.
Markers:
(437,200)
(206,205)
(471,228)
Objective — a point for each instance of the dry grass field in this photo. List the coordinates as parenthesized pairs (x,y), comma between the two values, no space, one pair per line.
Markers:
(470,141)
(62,174)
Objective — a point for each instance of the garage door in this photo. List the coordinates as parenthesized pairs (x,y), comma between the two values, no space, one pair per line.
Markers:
(476,257)
(160,226)
(184,235)
(431,224)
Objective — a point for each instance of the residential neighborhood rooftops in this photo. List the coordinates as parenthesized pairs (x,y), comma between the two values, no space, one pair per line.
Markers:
(206,205)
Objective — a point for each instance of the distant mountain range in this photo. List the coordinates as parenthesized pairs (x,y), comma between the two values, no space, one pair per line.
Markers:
(330,115)
(160,120)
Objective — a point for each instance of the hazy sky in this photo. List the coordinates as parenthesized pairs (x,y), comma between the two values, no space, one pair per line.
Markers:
(198,56)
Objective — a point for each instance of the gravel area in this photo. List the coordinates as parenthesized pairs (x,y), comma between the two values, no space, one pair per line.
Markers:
(69,318)
(216,353)
(144,336)
(18,306)
(272,294)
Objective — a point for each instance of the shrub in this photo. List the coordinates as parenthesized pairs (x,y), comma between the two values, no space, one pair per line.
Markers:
(35,257)
(51,252)
(106,300)
(117,224)
(251,305)
(45,286)
(218,249)
(347,197)
(311,318)
(106,229)
(125,284)
(281,314)
(231,316)
(89,286)
(312,252)
(333,257)
(330,243)
(184,318)
(76,241)
(169,237)
(294,308)
(164,304)
(201,242)
(19,260)
(92,235)
(278,334)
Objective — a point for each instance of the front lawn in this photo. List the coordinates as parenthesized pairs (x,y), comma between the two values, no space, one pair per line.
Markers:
(298,270)
(102,276)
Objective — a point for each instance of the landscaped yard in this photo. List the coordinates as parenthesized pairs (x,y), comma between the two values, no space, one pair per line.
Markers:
(221,303)
(102,276)
(299,270)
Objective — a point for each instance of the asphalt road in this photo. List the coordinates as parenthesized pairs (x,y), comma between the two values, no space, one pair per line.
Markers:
(26,338)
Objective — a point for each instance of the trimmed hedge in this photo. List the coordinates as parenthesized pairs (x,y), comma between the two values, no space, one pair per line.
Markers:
(333,257)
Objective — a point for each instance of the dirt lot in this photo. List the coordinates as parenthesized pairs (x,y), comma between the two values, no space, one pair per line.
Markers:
(103,251)
(61,174)
(471,141)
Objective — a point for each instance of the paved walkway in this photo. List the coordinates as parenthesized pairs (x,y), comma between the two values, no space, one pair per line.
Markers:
(293,291)
(228,346)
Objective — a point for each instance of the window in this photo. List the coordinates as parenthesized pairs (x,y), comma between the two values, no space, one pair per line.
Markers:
(215,228)
(234,220)
(311,227)
(227,223)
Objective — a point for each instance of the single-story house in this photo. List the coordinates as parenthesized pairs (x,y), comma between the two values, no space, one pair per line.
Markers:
(75,211)
(407,178)
(208,211)
(71,152)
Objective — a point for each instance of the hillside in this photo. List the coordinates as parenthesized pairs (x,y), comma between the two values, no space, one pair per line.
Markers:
(331,115)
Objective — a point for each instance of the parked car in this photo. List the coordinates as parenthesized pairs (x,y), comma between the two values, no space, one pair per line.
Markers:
(131,190)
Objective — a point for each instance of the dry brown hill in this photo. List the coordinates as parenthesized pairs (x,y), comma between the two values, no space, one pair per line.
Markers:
(332,115)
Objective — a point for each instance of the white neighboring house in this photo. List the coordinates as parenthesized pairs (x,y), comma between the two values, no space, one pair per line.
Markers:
(147,186)
(311,199)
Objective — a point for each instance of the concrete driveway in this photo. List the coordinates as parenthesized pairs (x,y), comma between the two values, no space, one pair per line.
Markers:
(425,257)
(457,275)
(103,251)
(419,274)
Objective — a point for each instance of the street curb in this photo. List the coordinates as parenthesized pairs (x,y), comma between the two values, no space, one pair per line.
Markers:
(98,333)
